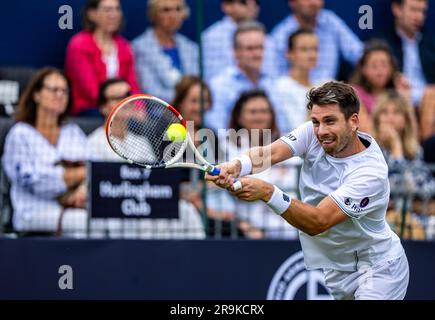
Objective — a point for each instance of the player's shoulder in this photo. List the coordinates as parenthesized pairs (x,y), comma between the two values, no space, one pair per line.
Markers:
(370,163)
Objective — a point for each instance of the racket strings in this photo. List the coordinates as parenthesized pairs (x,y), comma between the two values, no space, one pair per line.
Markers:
(143,124)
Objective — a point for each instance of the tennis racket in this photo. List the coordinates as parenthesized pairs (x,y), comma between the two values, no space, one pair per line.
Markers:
(136,130)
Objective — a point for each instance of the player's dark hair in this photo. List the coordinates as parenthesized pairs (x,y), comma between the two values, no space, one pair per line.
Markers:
(27,106)
(87,23)
(292,38)
(246,26)
(335,92)
(102,98)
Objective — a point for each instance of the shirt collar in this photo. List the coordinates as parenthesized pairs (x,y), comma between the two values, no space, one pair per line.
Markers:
(404,37)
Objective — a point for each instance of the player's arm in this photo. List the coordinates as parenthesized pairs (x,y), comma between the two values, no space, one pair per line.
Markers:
(311,220)
(254,160)
(263,158)
(314,220)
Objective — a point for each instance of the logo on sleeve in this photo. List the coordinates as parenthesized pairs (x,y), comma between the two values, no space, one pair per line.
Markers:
(291,136)
(364,202)
(354,206)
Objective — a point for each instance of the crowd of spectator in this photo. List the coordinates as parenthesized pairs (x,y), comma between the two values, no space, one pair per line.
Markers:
(255,83)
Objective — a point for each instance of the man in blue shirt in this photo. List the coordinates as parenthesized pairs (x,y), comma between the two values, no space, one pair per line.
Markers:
(226,87)
(335,38)
(217,39)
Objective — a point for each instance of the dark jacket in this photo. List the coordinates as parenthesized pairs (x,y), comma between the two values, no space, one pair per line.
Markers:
(426,50)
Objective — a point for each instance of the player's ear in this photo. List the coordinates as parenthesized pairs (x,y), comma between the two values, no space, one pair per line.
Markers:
(354,122)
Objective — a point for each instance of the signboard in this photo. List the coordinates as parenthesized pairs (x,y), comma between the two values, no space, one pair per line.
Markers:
(122,190)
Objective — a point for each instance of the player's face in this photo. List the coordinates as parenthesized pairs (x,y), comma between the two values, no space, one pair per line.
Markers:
(393,117)
(53,97)
(304,52)
(256,114)
(411,15)
(114,94)
(107,16)
(170,15)
(190,107)
(249,50)
(378,69)
(332,130)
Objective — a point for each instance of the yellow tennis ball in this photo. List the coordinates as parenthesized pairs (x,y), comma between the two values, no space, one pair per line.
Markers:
(176,132)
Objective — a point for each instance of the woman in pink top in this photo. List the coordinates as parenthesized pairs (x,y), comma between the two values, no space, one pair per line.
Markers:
(375,73)
(98,53)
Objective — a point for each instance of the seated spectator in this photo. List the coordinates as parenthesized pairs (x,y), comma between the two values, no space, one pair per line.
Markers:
(375,73)
(335,37)
(98,53)
(253,123)
(163,55)
(44,159)
(111,92)
(427,116)
(220,223)
(226,87)
(413,45)
(290,90)
(188,226)
(393,130)
(217,39)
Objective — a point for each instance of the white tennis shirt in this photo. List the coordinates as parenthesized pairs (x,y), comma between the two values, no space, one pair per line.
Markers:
(359,186)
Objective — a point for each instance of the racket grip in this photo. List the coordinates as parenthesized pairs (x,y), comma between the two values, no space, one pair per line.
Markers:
(236,183)
(215,171)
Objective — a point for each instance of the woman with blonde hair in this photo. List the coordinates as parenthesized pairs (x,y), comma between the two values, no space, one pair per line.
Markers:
(393,128)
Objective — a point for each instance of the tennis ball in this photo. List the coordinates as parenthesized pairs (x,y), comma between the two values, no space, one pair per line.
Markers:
(176,132)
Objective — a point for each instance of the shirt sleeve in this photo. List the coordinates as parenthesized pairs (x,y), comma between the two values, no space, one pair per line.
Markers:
(362,192)
(300,139)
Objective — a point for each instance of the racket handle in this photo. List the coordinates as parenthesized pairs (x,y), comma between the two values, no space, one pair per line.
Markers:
(215,171)
(236,183)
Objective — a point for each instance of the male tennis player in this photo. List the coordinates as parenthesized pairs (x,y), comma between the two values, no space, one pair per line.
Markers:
(345,192)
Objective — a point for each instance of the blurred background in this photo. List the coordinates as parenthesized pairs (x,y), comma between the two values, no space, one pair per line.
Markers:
(238,71)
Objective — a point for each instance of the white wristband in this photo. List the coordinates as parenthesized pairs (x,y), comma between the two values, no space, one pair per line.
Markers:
(246,165)
(280,201)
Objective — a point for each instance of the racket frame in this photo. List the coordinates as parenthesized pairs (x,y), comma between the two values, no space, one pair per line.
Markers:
(202,164)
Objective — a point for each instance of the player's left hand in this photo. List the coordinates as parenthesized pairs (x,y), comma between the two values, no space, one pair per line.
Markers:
(254,189)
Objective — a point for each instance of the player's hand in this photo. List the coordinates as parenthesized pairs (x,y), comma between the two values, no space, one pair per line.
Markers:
(254,189)
(229,171)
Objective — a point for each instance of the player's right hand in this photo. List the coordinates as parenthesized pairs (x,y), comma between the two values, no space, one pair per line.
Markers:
(229,171)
